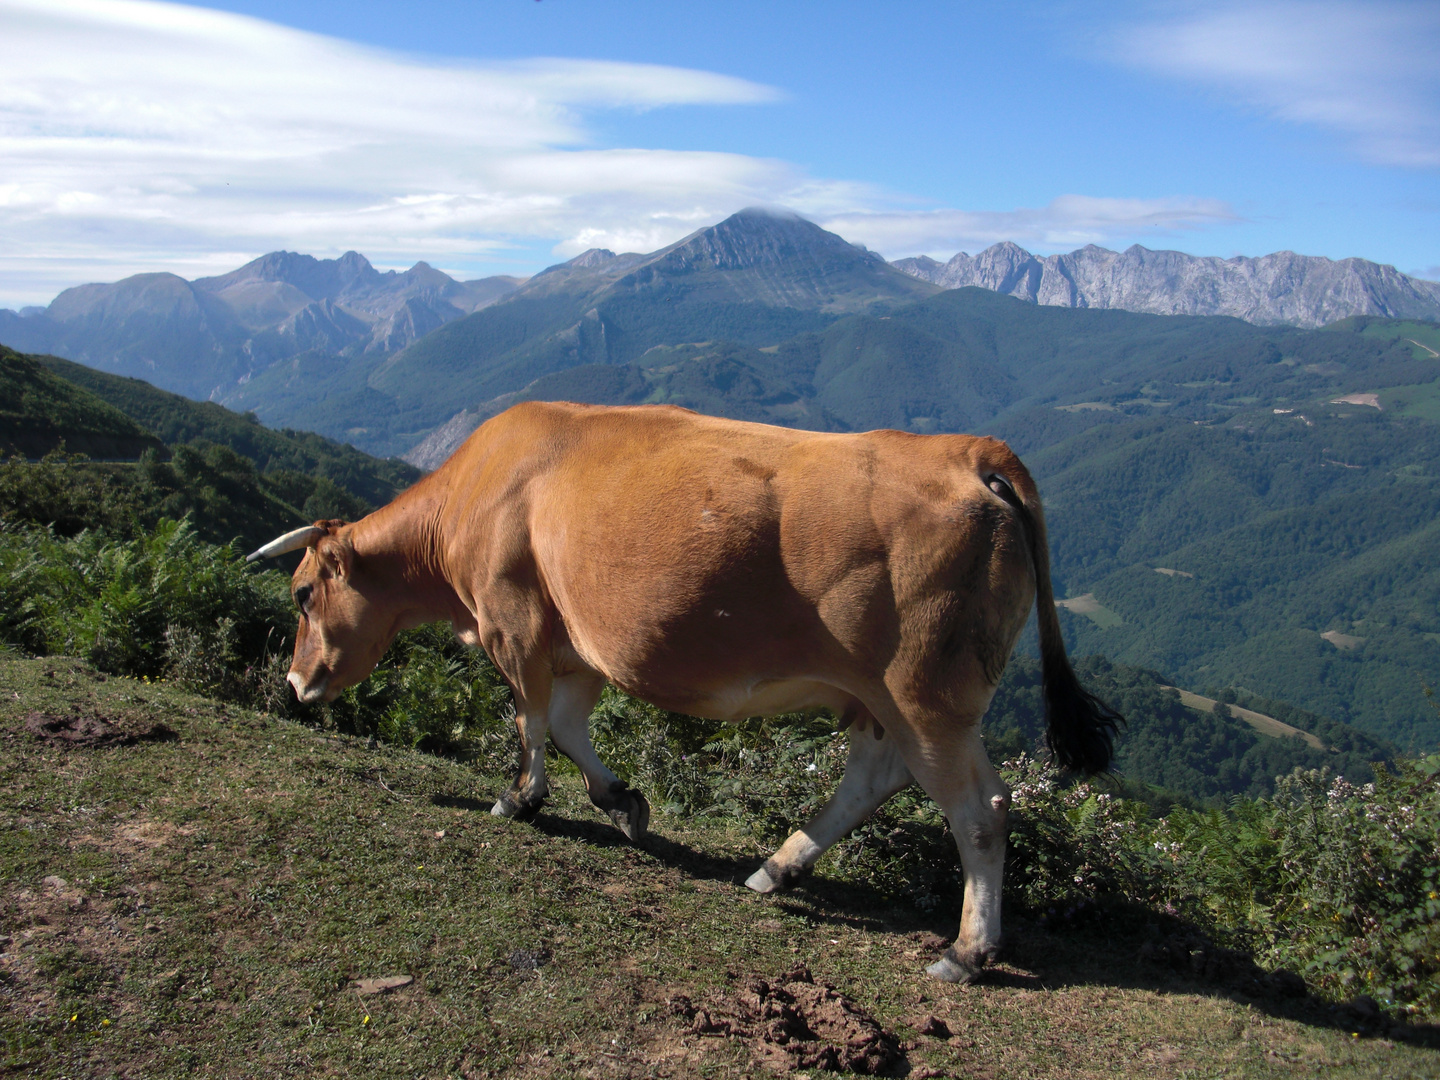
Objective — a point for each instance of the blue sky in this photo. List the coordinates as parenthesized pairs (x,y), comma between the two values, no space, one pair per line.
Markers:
(499,136)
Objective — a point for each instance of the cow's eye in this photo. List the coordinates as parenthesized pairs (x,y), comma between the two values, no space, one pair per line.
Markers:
(302,596)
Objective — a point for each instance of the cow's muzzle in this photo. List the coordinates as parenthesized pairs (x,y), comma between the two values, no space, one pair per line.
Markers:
(314,692)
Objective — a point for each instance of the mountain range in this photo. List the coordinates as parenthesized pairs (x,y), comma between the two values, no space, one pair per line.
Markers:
(203,338)
(385,360)
(1283,288)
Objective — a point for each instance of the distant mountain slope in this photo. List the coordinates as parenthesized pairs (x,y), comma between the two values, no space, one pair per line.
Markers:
(755,279)
(1294,554)
(201,338)
(40,412)
(967,359)
(1283,288)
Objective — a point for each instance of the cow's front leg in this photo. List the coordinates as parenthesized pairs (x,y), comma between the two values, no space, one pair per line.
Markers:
(874,770)
(527,794)
(573,699)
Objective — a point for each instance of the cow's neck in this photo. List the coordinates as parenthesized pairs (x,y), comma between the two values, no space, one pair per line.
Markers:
(400,545)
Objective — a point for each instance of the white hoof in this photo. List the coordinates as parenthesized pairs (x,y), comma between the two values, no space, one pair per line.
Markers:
(761,882)
(504,808)
(953,969)
(946,970)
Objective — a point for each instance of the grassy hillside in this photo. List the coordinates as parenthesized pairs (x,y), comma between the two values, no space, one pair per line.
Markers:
(210,891)
(39,411)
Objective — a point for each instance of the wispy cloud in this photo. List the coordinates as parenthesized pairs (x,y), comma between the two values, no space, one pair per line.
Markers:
(131,130)
(1365,69)
(1069,221)
(138,135)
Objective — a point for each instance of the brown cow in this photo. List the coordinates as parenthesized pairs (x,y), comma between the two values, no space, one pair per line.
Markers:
(725,570)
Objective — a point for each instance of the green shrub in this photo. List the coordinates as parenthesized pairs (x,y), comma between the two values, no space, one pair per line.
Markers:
(1339,881)
(431,692)
(162,604)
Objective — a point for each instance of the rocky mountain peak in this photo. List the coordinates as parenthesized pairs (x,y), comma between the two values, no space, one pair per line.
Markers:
(317,278)
(762,236)
(588,260)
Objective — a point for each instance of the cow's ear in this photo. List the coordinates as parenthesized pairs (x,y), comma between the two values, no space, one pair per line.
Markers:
(336,553)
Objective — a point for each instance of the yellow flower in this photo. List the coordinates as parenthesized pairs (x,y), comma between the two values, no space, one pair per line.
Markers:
(366,1020)
(104,1023)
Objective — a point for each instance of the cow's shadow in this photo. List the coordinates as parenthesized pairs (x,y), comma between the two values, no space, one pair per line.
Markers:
(1124,947)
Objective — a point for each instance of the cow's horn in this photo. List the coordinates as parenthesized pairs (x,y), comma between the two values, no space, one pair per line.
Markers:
(291,541)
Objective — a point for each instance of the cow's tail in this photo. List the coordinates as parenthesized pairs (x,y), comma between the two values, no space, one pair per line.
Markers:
(1080,728)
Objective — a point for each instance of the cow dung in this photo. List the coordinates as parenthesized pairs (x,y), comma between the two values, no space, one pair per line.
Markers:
(796,1023)
(92,731)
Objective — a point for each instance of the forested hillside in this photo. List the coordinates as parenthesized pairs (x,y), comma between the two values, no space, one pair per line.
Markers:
(1204,446)
(39,411)
(1295,555)
(235,478)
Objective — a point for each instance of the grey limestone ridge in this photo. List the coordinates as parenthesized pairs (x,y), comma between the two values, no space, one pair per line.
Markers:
(1283,288)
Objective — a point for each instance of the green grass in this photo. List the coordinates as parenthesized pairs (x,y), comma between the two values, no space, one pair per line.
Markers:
(1422,337)
(1421,401)
(201,906)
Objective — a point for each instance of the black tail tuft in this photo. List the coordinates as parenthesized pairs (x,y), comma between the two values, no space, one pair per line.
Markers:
(1081,727)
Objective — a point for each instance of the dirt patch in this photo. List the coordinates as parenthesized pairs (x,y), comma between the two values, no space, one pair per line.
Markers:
(1343,642)
(796,1023)
(1372,400)
(94,731)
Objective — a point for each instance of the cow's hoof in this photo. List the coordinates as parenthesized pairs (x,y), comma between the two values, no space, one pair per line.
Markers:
(761,882)
(954,968)
(633,819)
(772,878)
(515,808)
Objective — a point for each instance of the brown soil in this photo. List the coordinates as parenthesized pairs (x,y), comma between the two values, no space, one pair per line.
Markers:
(797,1023)
(93,731)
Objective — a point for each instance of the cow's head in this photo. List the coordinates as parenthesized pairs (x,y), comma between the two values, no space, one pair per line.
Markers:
(345,625)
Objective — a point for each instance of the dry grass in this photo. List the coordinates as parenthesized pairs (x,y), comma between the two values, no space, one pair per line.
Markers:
(205,906)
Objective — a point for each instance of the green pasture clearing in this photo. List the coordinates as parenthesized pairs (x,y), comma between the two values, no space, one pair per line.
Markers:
(1422,337)
(1092,609)
(203,902)
(1421,400)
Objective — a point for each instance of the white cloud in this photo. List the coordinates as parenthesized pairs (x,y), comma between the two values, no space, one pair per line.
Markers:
(1068,222)
(148,135)
(1365,69)
(140,136)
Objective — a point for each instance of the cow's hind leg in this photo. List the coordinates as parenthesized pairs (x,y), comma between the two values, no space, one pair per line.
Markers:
(573,698)
(950,762)
(874,770)
(532,719)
